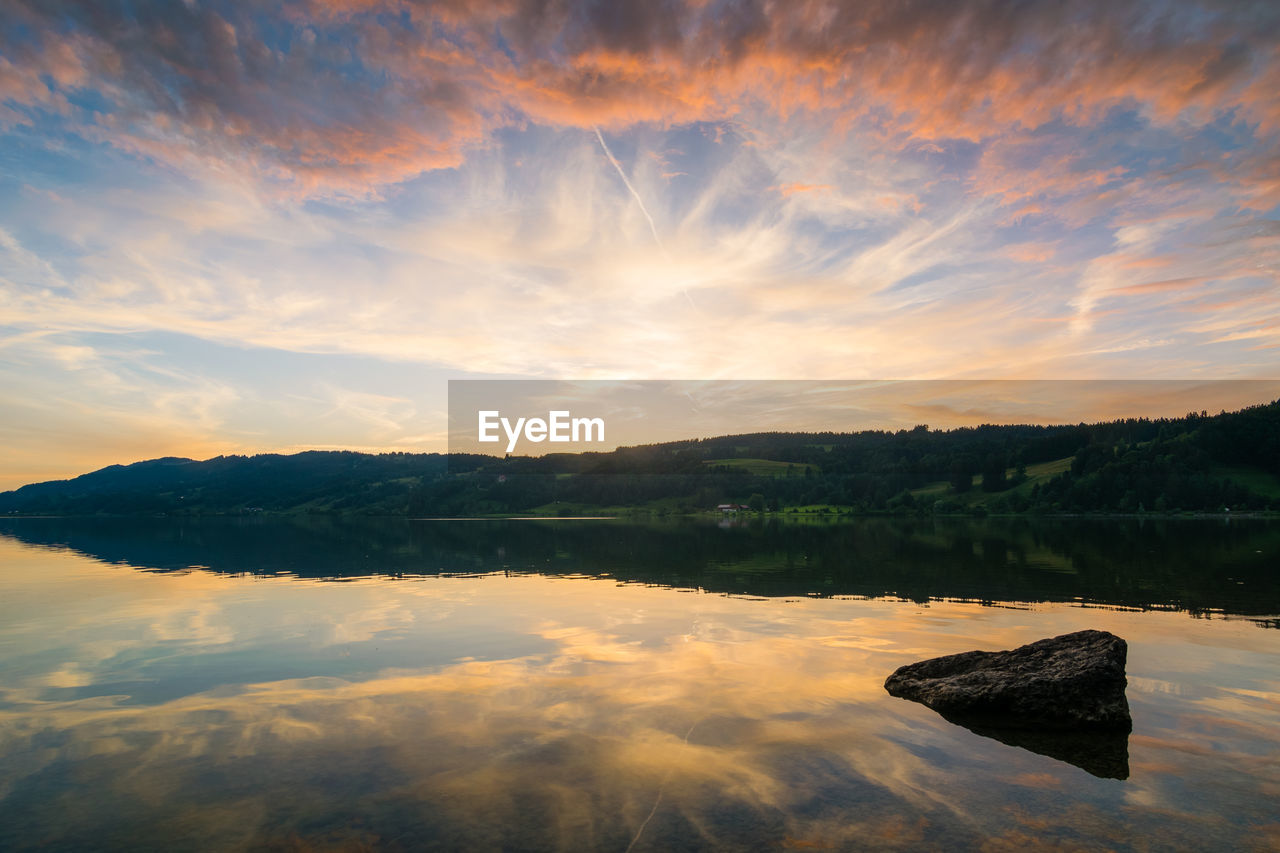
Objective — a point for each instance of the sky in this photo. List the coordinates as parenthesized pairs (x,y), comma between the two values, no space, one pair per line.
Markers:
(249,227)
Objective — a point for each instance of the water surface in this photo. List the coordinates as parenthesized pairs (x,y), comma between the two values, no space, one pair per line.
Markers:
(323,684)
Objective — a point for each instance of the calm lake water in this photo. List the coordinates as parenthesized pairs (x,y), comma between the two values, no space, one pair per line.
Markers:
(243,684)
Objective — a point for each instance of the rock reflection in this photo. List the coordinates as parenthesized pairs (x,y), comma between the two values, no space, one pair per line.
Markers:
(1104,754)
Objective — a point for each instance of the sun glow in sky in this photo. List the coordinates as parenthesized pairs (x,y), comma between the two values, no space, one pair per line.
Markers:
(241,227)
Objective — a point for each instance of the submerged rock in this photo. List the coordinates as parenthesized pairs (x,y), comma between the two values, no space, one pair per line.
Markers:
(1074,682)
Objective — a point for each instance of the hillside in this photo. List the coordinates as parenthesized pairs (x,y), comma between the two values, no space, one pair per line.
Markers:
(1193,463)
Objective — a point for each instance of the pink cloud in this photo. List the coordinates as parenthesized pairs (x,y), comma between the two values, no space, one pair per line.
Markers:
(1173,284)
(788,190)
(193,84)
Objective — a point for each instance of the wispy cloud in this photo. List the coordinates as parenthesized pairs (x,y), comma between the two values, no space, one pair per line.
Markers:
(678,189)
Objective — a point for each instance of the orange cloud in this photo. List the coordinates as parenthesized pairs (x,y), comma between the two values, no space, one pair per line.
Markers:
(788,190)
(1030,253)
(1163,286)
(370,92)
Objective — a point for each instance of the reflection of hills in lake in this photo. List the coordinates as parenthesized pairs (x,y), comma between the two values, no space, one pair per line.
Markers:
(1202,566)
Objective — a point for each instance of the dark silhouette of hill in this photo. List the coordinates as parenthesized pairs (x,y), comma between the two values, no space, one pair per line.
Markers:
(1197,462)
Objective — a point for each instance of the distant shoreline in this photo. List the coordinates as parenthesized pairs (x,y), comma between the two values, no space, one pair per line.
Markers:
(643,514)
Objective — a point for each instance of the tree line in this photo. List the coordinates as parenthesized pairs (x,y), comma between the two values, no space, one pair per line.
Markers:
(1198,462)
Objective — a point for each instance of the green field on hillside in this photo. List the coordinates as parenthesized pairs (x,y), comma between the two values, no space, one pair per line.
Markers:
(1261,482)
(762,467)
(1041,472)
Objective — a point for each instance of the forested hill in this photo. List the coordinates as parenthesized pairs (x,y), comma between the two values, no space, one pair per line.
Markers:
(1198,463)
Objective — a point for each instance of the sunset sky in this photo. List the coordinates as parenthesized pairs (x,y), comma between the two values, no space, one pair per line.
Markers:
(230,228)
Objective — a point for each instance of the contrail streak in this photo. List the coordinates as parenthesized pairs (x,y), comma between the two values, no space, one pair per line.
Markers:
(634,194)
(653,229)
(658,800)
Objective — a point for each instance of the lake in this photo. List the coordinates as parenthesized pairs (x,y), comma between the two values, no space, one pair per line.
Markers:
(349,684)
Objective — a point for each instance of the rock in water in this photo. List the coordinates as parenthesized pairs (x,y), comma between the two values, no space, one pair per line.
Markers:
(1072,682)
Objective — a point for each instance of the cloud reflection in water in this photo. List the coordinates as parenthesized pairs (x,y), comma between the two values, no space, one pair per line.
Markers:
(529,712)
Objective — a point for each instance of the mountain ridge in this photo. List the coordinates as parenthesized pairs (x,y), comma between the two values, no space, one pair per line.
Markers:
(1195,462)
